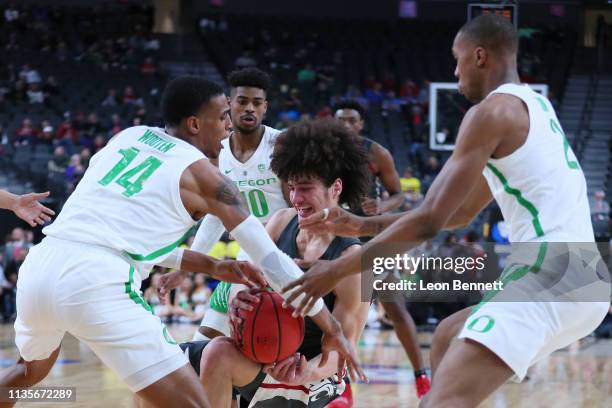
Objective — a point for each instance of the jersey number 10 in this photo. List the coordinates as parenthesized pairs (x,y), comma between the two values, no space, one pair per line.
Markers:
(140,172)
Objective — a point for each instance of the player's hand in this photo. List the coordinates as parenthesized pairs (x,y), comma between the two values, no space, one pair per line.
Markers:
(30,210)
(245,300)
(335,221)
(293,370)
(346,355)
(370,206)
(317,282)
(167,283)
(239,272)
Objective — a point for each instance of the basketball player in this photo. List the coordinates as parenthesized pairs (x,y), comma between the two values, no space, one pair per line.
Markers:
(139,197)
(306,158)
(383,172)
(27,207)
(510,147)
(245,159)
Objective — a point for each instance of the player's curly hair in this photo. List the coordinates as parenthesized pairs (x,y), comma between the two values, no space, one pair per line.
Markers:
(251,77)
(324,149)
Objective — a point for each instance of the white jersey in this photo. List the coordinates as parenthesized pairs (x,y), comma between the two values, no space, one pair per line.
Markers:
(129,198)
(540,187)
(258,185)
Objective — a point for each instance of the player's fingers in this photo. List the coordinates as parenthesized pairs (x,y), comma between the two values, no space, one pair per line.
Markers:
(313,219)
(255,275)
(292,285)
(340,367)
(45,217)
(324,358)
(245,296)
(37,196)
(239,275)
(310,305)
(239,304)
(47,210)
(31,222)
(299,310)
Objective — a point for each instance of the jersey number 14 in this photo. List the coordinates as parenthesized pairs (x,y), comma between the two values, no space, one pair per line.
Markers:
(133,179)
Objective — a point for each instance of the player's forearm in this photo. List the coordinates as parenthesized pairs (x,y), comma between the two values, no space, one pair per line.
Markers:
(198,263)
(408,230)
(7,200)
(394,202)
(372,226)
(210,231)
(327,322)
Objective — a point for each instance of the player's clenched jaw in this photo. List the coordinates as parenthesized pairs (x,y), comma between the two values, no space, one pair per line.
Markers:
(310,194)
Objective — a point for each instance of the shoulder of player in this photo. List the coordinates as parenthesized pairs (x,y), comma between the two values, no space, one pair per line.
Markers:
(198,174)
(277,223)
(349,285)
(379,151)
(500,111)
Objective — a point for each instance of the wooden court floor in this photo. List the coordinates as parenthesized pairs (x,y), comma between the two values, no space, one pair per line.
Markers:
(579,377)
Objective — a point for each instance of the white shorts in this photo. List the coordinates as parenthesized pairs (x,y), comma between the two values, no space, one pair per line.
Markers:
(522,333)
(217,320)
(94,294)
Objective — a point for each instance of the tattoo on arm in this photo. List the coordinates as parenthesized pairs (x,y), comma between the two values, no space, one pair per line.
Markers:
(228,193)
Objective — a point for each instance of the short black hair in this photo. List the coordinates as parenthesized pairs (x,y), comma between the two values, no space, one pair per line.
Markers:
(324,149)
(184,96)
(356,106)
(492,32)
(251,77)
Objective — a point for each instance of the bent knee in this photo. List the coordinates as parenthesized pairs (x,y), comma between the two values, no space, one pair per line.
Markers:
(220,350)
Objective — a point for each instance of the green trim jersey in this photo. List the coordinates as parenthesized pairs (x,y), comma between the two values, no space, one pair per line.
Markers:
(258,185)
(129,198)
(540,187)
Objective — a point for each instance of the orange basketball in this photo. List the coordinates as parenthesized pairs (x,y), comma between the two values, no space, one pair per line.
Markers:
(269,333)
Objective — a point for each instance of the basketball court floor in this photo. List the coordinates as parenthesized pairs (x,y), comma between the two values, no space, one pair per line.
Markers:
(577,377)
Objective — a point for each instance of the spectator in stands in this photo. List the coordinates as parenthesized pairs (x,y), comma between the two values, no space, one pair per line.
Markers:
(307,74)
(409,90)
(51,87)
(130,97)
(99,143)
(46,136)
(392,103)
(74,172)
(152,44)
(62,53)
(30,75)
(59,162)
(26,134)
(13,44)
(19,92)
(35,94)
(409,183)
(91,128)
(11,13)
(66,130)
(375,95)
(86,156)
(148,67)
(245,60)
(600,206)
(430,171)
(111,98)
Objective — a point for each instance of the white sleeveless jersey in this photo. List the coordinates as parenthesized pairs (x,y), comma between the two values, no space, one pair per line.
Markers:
(540,187)
(129,198)
(258,185)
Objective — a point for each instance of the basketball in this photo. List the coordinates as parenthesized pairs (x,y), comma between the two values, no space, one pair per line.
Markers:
(269,333)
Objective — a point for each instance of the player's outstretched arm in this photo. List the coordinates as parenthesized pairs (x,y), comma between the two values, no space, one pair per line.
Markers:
(479,136)
(27,207)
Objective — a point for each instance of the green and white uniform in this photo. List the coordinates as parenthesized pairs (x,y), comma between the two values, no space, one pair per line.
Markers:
(541,191)
(125,215)
(263,194)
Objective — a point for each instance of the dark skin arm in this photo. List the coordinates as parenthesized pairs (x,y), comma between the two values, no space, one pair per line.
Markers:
(390,180)
(343,223)
(494,128)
